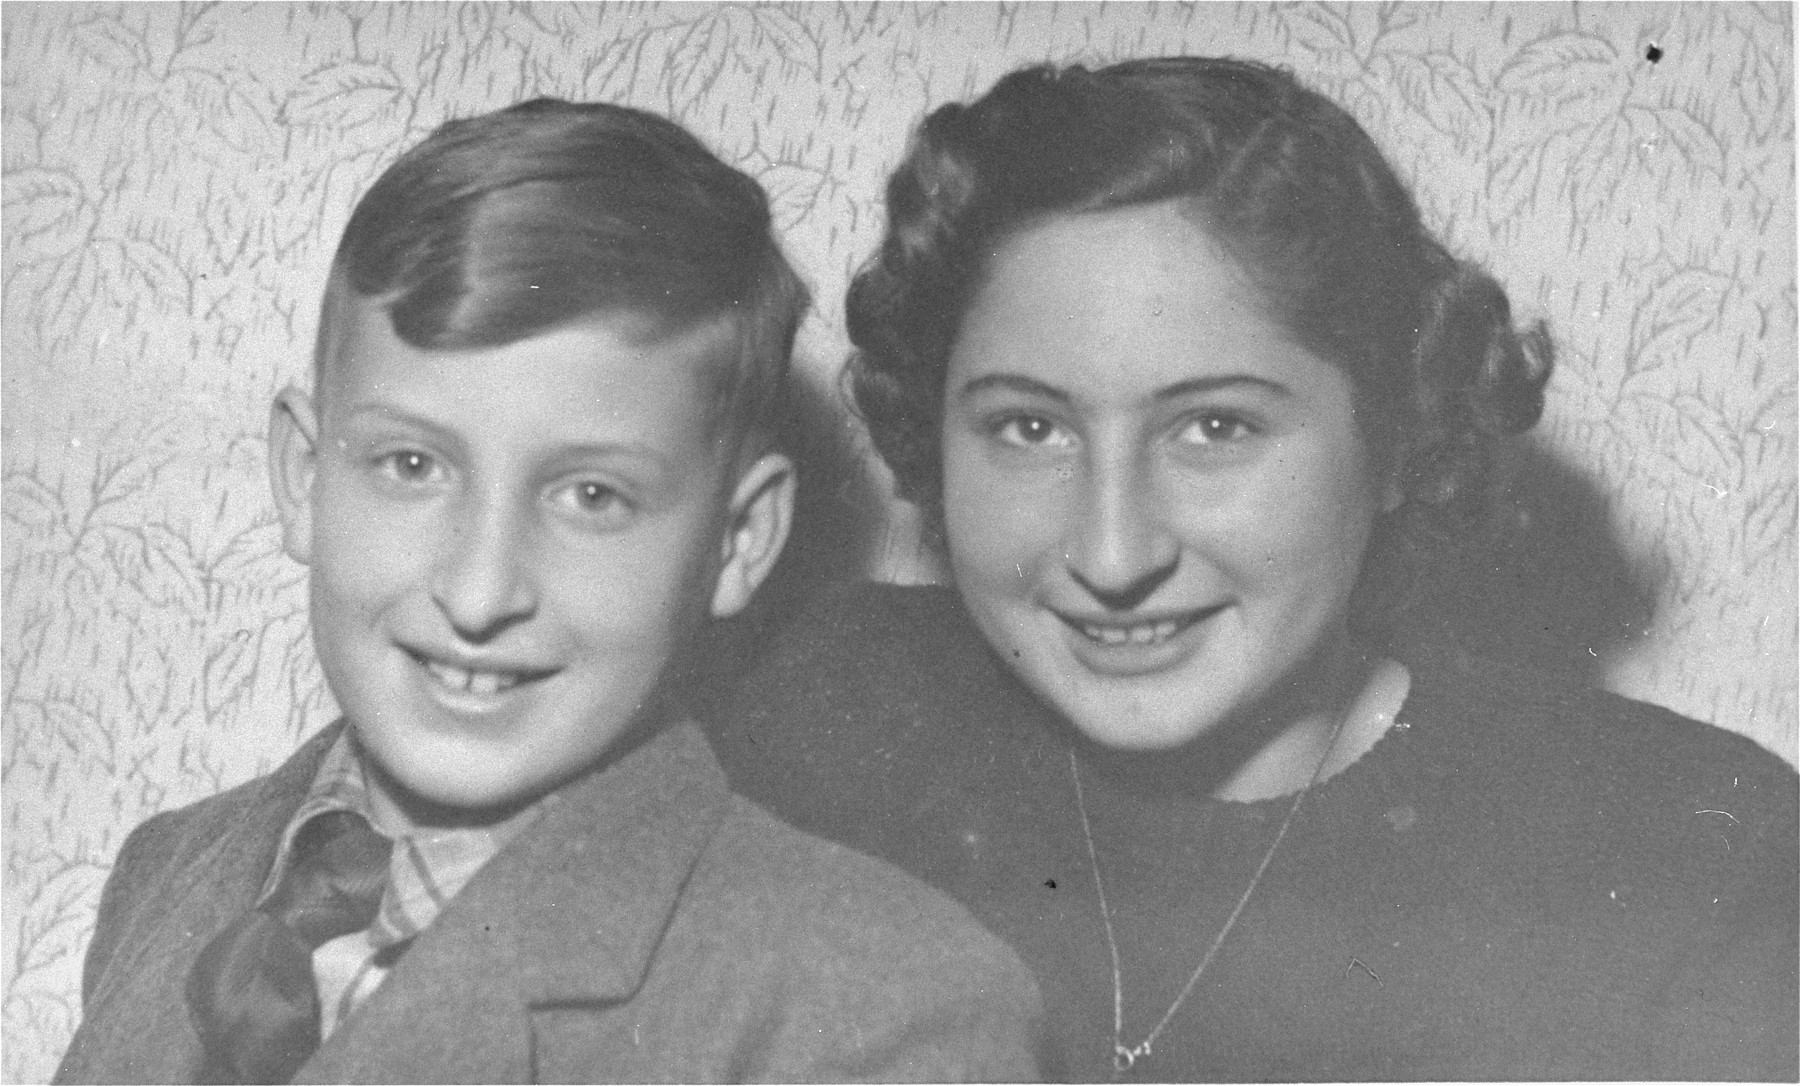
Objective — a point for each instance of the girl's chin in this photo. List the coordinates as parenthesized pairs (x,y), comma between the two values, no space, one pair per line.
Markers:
(1132,721)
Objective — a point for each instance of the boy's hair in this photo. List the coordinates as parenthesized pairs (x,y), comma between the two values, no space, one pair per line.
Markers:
(504,226)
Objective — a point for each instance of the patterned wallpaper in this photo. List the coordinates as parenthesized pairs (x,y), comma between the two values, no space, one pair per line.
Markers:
(176,176)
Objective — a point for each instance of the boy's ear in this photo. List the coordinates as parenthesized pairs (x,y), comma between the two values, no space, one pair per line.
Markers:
(1393,494)
(1390,482)
(761,511)
(293,460)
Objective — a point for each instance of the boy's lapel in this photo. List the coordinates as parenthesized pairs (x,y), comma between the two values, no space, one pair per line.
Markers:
(137,1027)
(569,914)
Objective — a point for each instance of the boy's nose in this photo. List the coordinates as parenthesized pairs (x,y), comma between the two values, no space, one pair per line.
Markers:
(483,582)
(1119,547)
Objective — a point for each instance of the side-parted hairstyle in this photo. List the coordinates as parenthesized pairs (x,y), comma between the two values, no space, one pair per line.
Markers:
(1284,180)
(500,227)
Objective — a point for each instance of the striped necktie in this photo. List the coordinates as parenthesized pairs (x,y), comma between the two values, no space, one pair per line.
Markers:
(251,992)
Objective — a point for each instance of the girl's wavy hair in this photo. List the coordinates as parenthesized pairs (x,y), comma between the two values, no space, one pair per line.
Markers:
(503,226)
(1283,179)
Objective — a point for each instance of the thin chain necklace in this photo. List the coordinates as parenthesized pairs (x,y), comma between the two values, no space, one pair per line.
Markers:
(1124,1058)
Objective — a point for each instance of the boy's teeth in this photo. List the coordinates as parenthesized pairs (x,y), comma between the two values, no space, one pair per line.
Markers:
(474,682)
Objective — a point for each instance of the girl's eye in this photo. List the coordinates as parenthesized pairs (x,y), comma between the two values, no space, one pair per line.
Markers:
(1213,429)
(1030,431)
(596,502)
(410,466)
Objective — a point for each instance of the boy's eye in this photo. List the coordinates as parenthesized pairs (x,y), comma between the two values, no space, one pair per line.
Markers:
(1212,428)
(596,502)
(1030,431)
(410,466)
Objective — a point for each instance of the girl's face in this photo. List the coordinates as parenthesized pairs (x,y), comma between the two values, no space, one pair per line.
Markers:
(1156,502)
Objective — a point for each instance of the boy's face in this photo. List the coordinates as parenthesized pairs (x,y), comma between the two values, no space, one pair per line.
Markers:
(509,545)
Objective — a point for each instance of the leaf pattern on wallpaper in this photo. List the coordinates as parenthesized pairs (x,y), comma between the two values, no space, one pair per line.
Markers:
(176,176)
(1762,91)
(342,96)
(1447,92)
(113,46)
(1561,67)
(1681,306)
(46,214)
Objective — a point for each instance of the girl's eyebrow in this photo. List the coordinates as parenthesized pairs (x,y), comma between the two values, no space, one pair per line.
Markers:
(1198,385)
(1012,382)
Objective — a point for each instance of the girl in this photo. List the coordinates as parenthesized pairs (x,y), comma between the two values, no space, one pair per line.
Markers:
(1166,354)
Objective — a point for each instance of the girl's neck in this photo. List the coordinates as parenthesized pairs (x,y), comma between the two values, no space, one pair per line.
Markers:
(1323,743)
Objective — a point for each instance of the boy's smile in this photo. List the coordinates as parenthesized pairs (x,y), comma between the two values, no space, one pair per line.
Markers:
(510,545)
(474,678)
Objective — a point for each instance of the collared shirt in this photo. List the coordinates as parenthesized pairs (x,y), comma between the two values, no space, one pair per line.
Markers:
(427,869)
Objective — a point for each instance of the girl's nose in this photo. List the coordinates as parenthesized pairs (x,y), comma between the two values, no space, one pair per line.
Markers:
(483,582)
(1121,548)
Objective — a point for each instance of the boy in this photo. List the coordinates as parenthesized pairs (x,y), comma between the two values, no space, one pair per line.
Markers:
(536,462)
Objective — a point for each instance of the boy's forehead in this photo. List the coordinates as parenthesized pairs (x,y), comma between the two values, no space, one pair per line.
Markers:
(607,382)
(361,328)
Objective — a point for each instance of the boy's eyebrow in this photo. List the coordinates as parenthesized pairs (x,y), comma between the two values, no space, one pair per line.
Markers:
(390,413)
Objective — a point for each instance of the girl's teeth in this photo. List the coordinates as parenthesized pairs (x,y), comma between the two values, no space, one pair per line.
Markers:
(455,678)
(1146,634)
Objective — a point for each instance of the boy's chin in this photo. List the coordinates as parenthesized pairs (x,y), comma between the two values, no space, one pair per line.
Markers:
(430,782)
(433,805)
(415,793)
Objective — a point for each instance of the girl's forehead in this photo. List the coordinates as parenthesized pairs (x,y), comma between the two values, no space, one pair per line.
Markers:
(1131,302)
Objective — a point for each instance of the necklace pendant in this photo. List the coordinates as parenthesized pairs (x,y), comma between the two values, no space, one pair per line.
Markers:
(1124,1059)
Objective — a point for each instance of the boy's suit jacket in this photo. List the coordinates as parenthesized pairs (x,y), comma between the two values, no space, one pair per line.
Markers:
(651,926)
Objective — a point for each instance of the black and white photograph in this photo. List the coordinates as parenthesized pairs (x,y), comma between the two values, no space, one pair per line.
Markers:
(884,541)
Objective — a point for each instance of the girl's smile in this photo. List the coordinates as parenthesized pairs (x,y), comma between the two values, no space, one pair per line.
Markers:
(1143,644)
